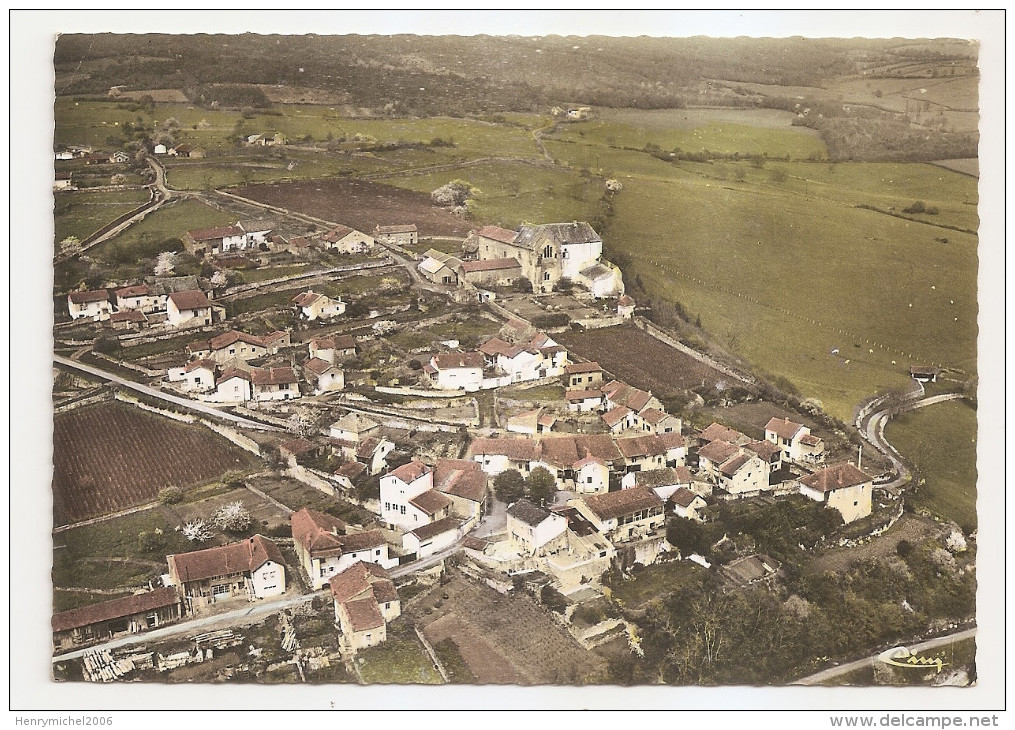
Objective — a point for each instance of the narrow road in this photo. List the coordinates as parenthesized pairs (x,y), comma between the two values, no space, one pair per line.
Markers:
(827,674)
(873,431)
(248,614)
(185,402)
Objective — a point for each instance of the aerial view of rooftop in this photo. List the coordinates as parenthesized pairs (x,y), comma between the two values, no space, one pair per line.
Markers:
(502,360)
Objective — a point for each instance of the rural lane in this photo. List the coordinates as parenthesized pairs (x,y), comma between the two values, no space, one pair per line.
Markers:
(242,616)
(185,402)
(827,674)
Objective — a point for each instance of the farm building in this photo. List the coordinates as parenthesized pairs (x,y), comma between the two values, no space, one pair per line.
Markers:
(312,306)
(531,422)
(108,619)
(140,297)
(211,241)
(365,600)
(92,305)
(251,569)
(333,349)
(795,440)
(190,308)
(491,272)
(130,320)
(274,384)
(843,487)
(440,267)
(323,376)
(326,546)
(400,235)
(456,371)
(347,240)
(583,375)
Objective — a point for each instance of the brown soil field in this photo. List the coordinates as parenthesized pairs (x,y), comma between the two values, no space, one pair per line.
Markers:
(112,456)
(641,360)
(517,631)
(359,204)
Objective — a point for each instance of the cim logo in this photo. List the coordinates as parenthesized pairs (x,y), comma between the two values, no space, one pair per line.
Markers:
(901,656)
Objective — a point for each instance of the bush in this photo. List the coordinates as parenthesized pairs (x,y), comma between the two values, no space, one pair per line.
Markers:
(904,548)
(549,321)
(171,495)
(553,599)
(509,486)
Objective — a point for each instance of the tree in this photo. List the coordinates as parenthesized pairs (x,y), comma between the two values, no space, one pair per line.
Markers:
(232,517)
(70,246)
(455,193)
(541,485)
(553,599)
(509,486)
(171,495)
(196,531)
(165,264)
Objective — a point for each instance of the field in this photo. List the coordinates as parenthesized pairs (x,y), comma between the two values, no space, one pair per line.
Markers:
(80,213)
(655,582)
(111,456)
(504,639)
(940,442)
(360,204)
(641,360)
(401,659)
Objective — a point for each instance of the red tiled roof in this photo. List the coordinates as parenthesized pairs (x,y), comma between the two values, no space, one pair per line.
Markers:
(318,533)
(138,290)
(203,363)
(410,472)
(363,614)
(835,477)
(616,504)
(317,366)
(615,415)
(683,497)
(337,233)
(211,234)
(430,502)
(490,265)
(306,298)
(232,373)
(783,427)
(336,342)
(273,376)
(367,447)
(356,541)
(193,299)
(719,432)
(470,485)
(351,469)
(85,297)
(810,439)
(765,449)
(582,367)
(684,475)
(76,618)
(237,557)
(637,446)
(497,233)
(355,580)
(732,465)
(130,315)
(228,338)
(580,395)
(625,301)
(199,346)
(671,440)
(718,451)
(297,446)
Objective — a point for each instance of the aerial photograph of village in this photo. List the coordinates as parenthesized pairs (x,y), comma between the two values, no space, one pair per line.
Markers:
(520,360)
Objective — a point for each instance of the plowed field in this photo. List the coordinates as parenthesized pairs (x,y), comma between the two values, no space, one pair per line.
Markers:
(359,204)
(111,456)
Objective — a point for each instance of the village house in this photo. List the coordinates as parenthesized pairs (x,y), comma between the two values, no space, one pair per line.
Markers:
(119,157)
(408,499)
(585,401)
(664,481)
(491,272)
(591,475)
(687,504)
(582,376)
(743,475)
(312,306)
(532,422)
(197,376)
(622,394)
(252,569)
(768,452)
(322,376)
(234,344)
(400,235)
(718,432)
(190,308)
(541,357)
(658,421)
(456,371)
(357,437)
(712,454)
(365,600)
(565,457)
(347,240)
(534,530)
(140,297)
(496,455)
(326,546)
(432,538)
(439,267)
(842,487)
(464,483)
(63,181)
(625,306)
(108,619)
(212,241)
(352,428)
(676,448)
(333,349)
(129,320)
(625,515)
(643,452)
(795,440)
(268,384)
(232,386)
(93,305)
(619,419)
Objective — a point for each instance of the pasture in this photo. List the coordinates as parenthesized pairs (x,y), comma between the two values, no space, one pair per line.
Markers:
(112,456)
(940,442)
(82,212)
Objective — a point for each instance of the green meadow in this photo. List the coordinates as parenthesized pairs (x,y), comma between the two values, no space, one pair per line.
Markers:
(940,442)
(81,213)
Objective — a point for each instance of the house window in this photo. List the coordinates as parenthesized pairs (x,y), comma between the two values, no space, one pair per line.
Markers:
(547,251)
(377,552)
(546,276)
(220,590)
(590,480)
(403,509)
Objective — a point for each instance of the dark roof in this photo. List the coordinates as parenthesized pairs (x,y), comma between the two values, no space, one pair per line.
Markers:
(84,297)
(129,315)
(232,373)
(683,497)
(838,476)
(317,366)
(528,512)
(532,237)
(117,608)
(765,449)
(664,477)
(436,528)
(616,504)
(297,446)
(194,299)
(351,469)
(363,614)
(236,557)
(138,290)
